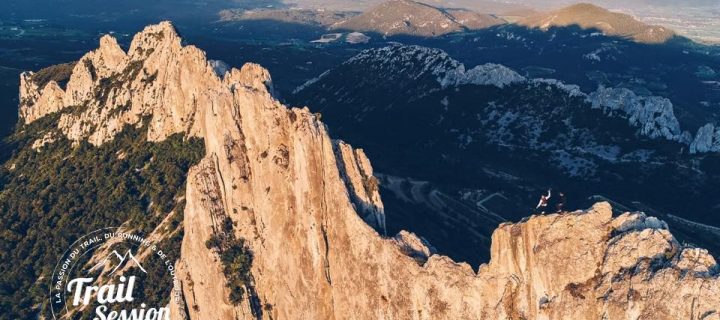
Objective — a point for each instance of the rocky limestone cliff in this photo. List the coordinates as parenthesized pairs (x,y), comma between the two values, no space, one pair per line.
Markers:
(706,140)
(652,114)
(309,210)
(109,88)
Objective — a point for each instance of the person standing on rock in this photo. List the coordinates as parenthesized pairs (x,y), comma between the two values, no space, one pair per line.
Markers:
(561,202)
(543,203)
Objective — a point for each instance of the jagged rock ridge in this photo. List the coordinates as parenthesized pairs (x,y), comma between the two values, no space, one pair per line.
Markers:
(298,197)
(110,88)
(421,63)
(654,116)
(322,18)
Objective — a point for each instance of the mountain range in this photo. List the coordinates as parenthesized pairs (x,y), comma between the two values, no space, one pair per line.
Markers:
(281,220)
(471,133)
(407,17)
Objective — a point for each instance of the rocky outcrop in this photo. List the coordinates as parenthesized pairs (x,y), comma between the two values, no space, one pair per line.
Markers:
(572,90)
(304,205)
(489,74)
(653,115)
(109,88)
(707,139)
(205,295)
(637,263)
(36,102)
(364,188)
(428,63)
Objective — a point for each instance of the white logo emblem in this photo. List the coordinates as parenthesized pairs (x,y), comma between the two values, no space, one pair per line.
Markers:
(103,275)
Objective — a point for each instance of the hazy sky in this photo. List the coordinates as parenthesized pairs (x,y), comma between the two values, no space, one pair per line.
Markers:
(492,5)
(58,9)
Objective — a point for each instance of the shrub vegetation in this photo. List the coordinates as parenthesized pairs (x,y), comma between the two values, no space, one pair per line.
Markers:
(50,198)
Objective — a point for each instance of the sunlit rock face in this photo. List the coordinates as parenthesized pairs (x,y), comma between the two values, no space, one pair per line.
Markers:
(307,209)
(109,88)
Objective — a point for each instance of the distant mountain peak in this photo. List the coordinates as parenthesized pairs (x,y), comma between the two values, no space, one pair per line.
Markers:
(585,6)
(590,16)
(406,17)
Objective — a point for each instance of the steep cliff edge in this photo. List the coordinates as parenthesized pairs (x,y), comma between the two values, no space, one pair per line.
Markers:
(308,209)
